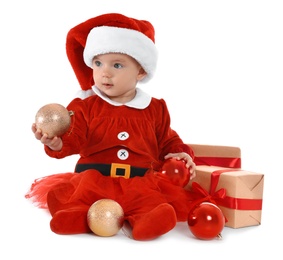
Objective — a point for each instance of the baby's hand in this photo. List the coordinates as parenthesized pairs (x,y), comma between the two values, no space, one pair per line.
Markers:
(187,158)
(54,143)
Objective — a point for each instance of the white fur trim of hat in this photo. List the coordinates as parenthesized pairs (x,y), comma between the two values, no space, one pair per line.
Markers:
(106,39)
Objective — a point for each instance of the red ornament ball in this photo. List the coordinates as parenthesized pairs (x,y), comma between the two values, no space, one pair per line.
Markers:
(105,217)
(53,119)
(206,221)
(176,171)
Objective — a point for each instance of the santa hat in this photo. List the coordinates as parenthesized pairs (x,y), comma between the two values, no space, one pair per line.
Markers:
(107,33)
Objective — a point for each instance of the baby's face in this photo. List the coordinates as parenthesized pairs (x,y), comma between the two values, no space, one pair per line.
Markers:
(116,75)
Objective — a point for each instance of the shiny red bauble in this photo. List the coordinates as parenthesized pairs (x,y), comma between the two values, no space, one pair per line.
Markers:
(53,119)
(206,221)
(176,171)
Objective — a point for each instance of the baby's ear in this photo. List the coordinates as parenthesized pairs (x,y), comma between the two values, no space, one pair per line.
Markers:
(141,74)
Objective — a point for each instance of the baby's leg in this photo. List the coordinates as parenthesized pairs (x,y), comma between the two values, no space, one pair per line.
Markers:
(70,221)
(154,223)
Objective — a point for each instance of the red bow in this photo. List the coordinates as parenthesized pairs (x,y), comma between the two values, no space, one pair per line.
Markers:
(214,198)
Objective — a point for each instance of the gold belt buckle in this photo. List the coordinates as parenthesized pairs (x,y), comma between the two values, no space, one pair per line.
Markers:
(125,167)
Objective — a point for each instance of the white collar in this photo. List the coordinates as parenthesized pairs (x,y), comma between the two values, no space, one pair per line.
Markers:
(140,101)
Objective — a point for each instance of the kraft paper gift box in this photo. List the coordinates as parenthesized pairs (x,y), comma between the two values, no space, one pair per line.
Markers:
(242,204)
(217,155)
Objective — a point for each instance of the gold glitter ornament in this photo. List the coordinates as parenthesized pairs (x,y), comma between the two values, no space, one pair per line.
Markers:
(105,217)
(53,119)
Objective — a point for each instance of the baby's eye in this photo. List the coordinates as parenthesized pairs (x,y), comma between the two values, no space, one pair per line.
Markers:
(118,65)
(97,63)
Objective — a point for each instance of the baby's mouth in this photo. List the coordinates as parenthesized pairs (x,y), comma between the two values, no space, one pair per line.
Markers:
(107,85)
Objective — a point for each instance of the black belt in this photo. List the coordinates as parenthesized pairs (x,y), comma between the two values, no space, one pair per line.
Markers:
(113,169)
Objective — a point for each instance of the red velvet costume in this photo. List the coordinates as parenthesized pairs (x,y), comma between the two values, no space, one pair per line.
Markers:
(100,130)
(114,142)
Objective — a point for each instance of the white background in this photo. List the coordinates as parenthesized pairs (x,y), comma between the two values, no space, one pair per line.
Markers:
(220,71)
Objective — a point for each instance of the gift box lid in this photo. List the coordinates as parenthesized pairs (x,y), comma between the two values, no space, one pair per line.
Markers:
(237,182)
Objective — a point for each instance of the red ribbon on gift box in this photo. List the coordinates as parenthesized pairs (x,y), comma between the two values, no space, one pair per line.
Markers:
(220,197)
(228,162)
(230,202)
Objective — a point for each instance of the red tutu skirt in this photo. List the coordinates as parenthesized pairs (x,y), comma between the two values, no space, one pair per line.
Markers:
(136,195)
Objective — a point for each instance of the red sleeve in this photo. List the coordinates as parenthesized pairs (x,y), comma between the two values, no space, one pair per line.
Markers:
(169,140)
